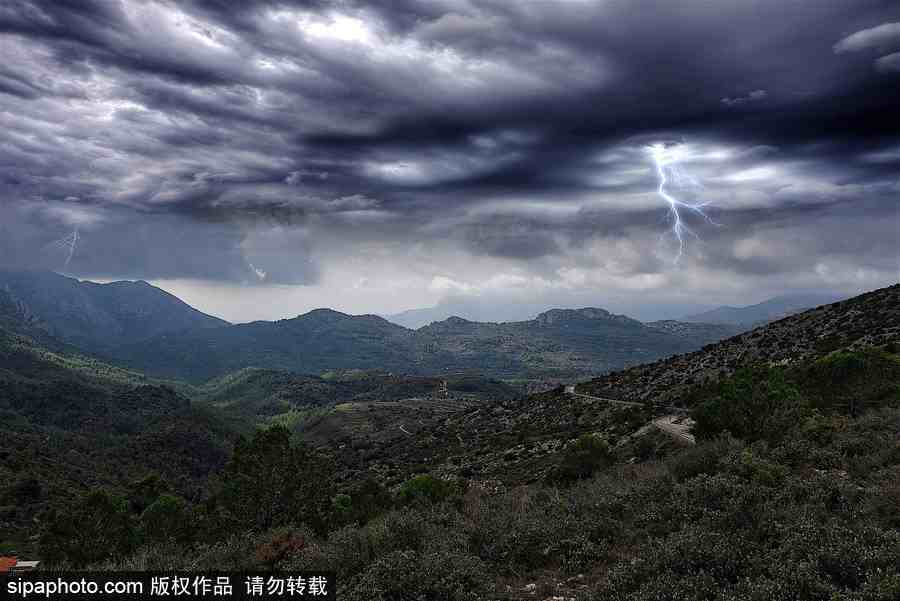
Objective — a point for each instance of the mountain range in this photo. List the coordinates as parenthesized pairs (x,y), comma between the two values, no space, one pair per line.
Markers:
(141,327)
(764,312)
(557,344)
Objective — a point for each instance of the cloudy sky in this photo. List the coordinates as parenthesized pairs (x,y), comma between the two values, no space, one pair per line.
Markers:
(264,158)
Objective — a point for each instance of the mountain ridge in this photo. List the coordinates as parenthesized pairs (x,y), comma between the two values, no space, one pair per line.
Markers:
(558,343)
(94,317)
(763,312)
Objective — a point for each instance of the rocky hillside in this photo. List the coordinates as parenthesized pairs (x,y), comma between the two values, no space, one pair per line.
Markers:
(513,441)
(96,318)
(869,319)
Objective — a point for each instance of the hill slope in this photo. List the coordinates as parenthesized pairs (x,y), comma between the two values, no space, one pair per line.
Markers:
(97,317)
(269,392)
(869,319)
(69,423)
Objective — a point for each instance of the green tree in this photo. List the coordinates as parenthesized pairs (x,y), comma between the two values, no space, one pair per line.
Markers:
(589,454)
(270,482)
(168,518)
(754,404)
(98,527)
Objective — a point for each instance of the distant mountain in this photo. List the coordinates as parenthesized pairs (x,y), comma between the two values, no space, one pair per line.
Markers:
(500,310)
(764,312)
(94,317)
(557,343)
(472,310)
(310,344)
(701,333)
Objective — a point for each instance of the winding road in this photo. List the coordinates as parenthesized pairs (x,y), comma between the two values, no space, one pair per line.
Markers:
(676,426)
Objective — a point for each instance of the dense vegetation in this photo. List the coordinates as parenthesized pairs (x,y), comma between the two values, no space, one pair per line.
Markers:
(69,423)
(787,495)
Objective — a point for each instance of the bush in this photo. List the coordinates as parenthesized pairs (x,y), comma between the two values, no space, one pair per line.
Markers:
(753,404)
(409,575)
(851,381)
(280,546)
(587,455)
(426,489)
(397,531)
(168,518)
(703,458)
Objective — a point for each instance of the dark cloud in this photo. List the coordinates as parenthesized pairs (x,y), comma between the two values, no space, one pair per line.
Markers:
(263,141)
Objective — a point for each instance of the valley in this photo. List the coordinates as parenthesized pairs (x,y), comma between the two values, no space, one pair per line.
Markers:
(811,400)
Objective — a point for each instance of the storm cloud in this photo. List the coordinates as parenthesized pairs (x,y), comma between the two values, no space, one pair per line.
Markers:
(376,156)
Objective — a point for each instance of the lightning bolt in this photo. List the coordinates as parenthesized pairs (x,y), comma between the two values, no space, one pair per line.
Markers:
(666,160)
(259,273)
(67,244)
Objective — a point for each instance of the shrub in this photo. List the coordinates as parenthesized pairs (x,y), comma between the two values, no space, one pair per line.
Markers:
(703,458)
(409,575)
(587,455)
(753,404)
(578,553)
(426,489)
(279,546)
(168,518)
(396,531)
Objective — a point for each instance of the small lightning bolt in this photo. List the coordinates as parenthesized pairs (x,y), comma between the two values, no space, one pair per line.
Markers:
(666,160)
(259,273)
(67,244)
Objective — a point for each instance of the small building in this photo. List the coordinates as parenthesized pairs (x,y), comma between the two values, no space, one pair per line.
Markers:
(570,389)
(12,565)
(7,563)
(25,566)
